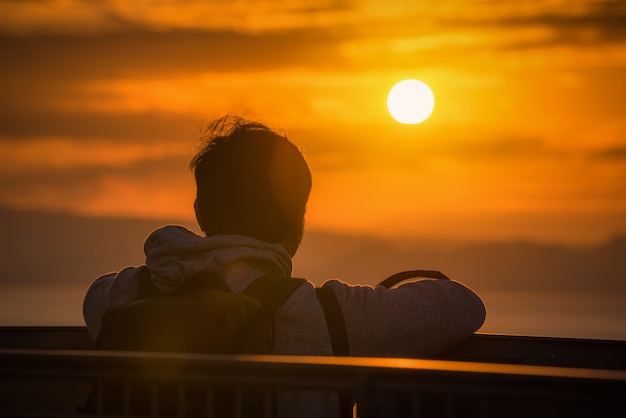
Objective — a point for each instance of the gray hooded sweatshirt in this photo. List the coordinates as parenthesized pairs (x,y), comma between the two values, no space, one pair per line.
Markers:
(415,319)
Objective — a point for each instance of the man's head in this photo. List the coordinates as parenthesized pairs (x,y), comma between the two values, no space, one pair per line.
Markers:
(250,181)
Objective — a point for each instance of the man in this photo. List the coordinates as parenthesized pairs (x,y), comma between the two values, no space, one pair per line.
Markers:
(252,188)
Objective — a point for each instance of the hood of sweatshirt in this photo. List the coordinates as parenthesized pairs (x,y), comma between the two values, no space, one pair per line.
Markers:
(174,254)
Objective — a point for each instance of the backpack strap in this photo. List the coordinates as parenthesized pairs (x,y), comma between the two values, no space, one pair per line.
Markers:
(337,327)
(394,279)
(334,320)
(338,338)
(273,291)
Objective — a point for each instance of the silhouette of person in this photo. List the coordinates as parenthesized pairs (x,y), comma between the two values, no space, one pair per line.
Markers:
(252,189)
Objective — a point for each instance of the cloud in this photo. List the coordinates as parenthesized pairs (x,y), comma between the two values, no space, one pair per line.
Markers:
(150,187)
(611,154)
(586,24)
(506,147)
(18,124)
(602,22)
(83,16)
(51,154)
(96,176)
(173,107)
(137,53)
(368,39)
(407,25)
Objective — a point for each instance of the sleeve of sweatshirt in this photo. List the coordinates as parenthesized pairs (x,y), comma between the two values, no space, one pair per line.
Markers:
(107,291)
(415,319)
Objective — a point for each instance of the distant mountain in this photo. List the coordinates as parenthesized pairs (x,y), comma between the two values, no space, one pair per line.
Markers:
(58,248)
(50,247)
(492,265)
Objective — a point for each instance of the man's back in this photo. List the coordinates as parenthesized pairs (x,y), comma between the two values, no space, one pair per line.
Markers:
(412,320)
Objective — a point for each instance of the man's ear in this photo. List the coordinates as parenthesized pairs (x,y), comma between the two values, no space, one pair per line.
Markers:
(196,211)
(293,238)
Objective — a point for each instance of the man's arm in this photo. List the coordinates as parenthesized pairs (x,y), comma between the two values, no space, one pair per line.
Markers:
(415,319)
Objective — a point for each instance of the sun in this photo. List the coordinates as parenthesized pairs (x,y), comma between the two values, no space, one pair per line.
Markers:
(410,101)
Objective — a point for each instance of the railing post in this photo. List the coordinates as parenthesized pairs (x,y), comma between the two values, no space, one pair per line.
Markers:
(364,396)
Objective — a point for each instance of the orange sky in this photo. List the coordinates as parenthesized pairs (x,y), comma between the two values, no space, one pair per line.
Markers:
(102,101)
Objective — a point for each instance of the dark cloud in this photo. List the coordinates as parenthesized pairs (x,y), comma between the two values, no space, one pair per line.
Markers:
(135,50)
(83,183)
(602,22)
(505,147)
(60,186)
(605,22)
(16,124)
(362,147)
(142,52)
(148,167)
(617,154)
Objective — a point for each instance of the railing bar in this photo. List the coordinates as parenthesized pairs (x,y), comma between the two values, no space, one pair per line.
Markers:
(269,401)
(210,397)
(238,402)
(127,395)
(388,404)
(485,411)
(416,404)
(154,406)
(182,398)
(99,396)
(449,405)
(86,358)
(365,402)
(518,408)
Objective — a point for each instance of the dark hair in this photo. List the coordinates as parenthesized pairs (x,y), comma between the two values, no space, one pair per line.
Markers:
(250,181)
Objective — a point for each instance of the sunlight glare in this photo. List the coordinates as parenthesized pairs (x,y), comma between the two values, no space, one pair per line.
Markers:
(410,101)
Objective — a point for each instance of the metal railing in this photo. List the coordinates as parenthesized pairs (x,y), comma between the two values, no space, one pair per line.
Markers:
(46,383)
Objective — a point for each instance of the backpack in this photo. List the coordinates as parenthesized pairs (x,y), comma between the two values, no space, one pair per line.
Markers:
(201,316)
